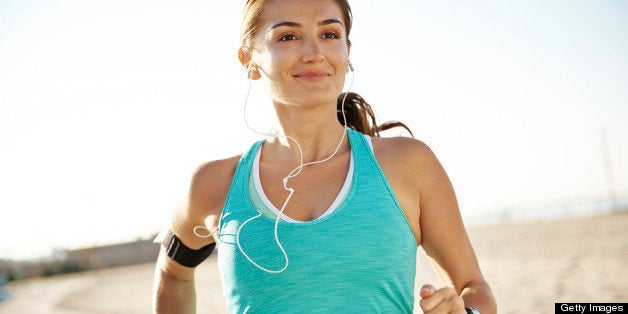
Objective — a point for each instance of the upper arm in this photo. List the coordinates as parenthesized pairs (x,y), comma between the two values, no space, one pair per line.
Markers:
(206,196)
(429,202)
(444,237)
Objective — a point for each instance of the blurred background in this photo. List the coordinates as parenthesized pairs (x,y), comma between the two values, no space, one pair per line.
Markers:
(107,107)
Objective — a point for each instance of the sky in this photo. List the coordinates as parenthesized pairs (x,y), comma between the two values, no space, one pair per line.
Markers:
(107,107)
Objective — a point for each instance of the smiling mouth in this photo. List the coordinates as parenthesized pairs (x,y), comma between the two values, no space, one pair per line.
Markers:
(312,75)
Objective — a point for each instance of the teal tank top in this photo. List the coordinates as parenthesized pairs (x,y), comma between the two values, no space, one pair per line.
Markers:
(359,259)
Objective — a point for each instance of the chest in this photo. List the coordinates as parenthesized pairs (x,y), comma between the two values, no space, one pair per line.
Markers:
(365,247)
(316,187)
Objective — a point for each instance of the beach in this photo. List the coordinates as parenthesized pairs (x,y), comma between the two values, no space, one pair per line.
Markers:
(530,266)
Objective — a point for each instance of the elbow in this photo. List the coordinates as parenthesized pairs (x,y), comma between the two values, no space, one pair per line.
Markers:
(172,293)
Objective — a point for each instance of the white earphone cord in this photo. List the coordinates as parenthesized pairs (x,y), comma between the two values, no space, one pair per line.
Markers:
(296,171)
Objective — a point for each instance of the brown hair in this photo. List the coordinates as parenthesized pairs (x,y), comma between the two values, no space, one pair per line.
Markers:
(358,112)
(360,116)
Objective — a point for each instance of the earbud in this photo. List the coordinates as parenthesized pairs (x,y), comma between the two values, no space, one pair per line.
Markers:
(252,67)
(350,65)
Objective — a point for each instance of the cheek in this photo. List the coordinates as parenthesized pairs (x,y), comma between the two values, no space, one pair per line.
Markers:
(273,65)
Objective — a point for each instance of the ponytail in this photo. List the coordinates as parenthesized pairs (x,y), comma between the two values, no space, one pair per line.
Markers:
(360,116)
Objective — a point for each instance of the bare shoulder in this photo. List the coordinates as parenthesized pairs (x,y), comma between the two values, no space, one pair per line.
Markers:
(211,180)
(203,204)
(413,154)
(412,163)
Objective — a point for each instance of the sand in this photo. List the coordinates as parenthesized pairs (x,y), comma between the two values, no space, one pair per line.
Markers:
(529,265)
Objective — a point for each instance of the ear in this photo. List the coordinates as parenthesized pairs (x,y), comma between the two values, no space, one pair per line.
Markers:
(246,59)
(349,58)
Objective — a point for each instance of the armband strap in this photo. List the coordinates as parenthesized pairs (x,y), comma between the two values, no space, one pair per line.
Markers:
(182,254)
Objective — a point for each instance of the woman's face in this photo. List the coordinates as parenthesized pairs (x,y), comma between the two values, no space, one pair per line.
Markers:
(301,51)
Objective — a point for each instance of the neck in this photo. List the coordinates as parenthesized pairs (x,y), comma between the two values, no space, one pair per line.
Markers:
(317,131)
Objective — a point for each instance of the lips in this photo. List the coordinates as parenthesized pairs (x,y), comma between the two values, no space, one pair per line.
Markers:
(312,75)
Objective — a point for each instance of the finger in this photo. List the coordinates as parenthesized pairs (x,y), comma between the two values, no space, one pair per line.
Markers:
(442,301)
(427,291)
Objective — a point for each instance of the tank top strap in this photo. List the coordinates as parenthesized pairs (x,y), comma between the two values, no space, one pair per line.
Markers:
(239,182)
(367,170)
(365,164)
(359,146)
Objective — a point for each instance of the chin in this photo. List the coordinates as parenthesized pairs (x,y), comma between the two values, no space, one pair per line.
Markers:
(309,98)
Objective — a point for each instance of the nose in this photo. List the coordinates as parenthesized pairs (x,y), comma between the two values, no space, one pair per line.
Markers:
(312,51)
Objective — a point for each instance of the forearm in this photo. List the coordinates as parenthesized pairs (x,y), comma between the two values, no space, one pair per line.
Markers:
(173,295)
(479,295)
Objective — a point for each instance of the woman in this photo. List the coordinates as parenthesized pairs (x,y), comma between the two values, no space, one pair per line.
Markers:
(323,219)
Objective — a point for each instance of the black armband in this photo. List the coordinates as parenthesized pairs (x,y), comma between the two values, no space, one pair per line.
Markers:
(472,310)
(182,254)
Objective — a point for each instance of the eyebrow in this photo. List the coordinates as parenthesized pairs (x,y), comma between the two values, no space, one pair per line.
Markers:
(294,24)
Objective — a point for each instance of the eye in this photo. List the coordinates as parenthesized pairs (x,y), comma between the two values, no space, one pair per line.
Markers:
(330,35)
(287,37)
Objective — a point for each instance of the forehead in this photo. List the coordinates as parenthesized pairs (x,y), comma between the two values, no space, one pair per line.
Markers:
(300,11)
